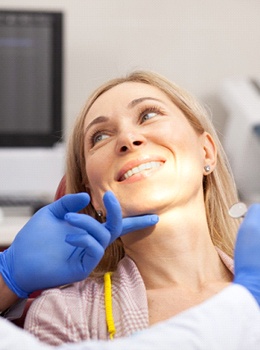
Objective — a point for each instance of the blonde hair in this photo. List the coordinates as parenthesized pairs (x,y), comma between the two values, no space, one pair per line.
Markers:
(219,187)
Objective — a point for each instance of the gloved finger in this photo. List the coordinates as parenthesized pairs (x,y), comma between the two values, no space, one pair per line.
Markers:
(249,232)
(69,203)
(138,222)
(91,246)
(251,221)
(90,226)
(113,215)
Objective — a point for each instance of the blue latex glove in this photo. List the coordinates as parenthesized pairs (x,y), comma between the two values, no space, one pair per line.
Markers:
(39,257)
(247,252)
(96,237)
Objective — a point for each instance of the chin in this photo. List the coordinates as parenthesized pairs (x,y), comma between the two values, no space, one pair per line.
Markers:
(142,208)
(131,213)
(146,200)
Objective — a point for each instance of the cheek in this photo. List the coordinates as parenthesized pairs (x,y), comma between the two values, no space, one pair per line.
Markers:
(94,172)
(174,138)
(97,168)
(186,148)
(95,165)
(95,185)
(170,131)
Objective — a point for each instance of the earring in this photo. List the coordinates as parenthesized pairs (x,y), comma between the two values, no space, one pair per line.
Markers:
(99,213)
(207,168)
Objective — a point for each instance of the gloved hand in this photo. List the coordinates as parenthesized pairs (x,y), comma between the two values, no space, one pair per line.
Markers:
(247,252)
(39,257)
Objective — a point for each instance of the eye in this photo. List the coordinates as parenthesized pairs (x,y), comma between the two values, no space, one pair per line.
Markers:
(98,136)
(149,115)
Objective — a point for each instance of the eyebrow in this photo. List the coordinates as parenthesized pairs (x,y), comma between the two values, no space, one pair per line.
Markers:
(140,100)
(132,104)
(97,120)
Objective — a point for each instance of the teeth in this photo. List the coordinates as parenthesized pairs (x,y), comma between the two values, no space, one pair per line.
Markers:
(142,167)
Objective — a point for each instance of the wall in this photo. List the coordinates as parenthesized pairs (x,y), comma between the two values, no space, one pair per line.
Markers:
(196,43)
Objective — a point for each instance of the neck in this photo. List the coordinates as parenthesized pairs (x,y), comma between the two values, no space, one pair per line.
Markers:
(176,252)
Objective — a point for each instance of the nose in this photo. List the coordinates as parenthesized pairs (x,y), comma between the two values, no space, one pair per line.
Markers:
(129,141)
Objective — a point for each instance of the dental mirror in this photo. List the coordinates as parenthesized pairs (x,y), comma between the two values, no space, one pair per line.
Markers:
(238,210)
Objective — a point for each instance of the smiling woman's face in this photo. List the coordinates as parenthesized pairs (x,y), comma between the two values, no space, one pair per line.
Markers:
(139,145)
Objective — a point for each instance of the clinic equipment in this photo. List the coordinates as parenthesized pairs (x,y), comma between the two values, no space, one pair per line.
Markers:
(237,210)
(241,139)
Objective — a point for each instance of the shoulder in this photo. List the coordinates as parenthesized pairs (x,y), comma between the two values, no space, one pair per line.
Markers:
(60,315)
(77,312)
(68,295)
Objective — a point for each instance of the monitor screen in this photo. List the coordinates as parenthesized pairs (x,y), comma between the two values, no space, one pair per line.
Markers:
(30,78)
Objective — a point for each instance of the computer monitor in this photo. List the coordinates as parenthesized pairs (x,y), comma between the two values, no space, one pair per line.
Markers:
(31,154)
(30,78)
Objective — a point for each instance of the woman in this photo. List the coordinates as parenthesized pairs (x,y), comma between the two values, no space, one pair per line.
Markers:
(154,147)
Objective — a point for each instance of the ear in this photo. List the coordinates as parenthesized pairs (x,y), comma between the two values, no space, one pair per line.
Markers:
(210,152)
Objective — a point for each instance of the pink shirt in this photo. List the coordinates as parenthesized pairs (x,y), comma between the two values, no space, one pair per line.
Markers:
(77,312)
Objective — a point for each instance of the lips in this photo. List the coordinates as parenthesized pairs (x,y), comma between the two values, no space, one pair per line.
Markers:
(139,168)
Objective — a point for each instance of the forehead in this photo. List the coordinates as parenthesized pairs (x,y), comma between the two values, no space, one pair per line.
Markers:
(121,95)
